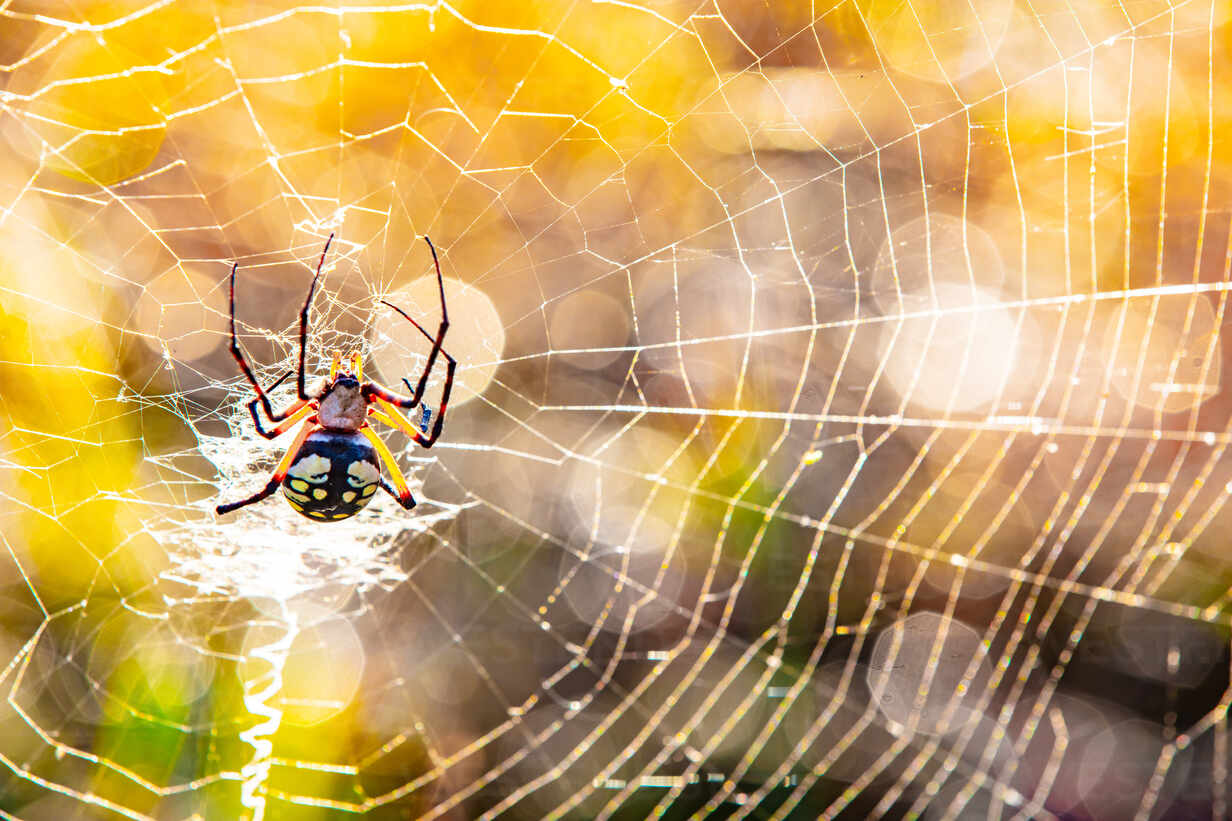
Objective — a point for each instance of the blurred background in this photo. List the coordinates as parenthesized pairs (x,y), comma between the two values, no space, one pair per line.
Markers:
(839,428)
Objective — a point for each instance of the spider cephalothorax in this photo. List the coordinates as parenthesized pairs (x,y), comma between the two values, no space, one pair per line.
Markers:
(333,467)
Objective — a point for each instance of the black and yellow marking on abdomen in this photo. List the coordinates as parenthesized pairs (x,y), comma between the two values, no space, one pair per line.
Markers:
(338,476)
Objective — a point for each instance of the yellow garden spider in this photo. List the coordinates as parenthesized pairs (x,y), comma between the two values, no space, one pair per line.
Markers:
(333,467)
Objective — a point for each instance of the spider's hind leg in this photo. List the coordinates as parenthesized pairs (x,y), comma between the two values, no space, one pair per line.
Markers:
(400,490)
(407,501)
(280,473)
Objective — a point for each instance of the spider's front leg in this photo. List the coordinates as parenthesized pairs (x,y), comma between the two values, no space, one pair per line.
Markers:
(390,415)
(300,387)
(387,398)
(389,401)
(238,353)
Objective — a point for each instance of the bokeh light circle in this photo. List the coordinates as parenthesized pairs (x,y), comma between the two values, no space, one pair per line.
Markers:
(924,673)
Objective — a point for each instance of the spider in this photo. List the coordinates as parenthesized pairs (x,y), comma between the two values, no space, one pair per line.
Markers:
(333,467)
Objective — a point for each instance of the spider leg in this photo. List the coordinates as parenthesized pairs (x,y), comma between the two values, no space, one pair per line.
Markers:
(385,486)
(400,491)
(280,473)
(302,409)
(424,411)
(417,393)
(389,415)
(238,354)
(301,389)
(296,413)
(389,400)
(381,417)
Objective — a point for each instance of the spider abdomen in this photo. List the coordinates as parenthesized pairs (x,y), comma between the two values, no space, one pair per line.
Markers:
(333,477)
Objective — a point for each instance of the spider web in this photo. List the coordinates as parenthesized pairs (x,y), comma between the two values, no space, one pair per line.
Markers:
(839,427)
